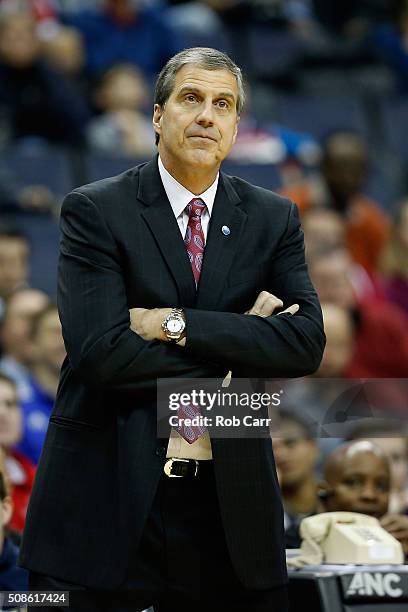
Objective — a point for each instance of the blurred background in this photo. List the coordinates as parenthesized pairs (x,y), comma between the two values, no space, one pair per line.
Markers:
(326,124)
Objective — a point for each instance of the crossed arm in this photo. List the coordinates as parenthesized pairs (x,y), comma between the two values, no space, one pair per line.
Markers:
(147,322)
(105,351)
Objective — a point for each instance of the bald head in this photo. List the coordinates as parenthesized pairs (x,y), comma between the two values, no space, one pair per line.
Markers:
(338,461)
(344,166)
(357,479)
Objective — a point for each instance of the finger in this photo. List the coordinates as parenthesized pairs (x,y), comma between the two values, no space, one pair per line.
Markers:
(265,304)
(290,310)
(390,520)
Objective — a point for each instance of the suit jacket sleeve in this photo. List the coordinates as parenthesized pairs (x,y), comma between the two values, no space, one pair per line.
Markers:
(101,347)
(277,346)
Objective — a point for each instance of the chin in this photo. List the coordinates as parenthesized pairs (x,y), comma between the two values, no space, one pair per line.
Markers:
(203,158)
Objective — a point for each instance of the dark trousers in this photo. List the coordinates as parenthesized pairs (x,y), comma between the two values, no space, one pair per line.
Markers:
(182,563)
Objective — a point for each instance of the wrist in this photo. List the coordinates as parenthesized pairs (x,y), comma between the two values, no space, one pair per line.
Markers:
(174,325)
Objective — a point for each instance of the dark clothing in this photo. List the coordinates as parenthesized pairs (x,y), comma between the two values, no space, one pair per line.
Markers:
(121,247)
(182,562)
(39,102)
(12,577)
(147,41)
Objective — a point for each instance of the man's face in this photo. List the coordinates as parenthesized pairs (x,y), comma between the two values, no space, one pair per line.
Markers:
(339,342)
(49,349)
(14,255)
(345,165)
(19,45)
(331,276)
(15,331)
(362,484)
(10,416)
(295,455)
(198,124)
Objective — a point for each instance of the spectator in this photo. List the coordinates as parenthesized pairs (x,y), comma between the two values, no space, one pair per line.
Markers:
(65,52)
(394,260)
(17,356)
(381,339)
(344,168)
(386,434)
(357,479)
(124,31)
(339,328)
(16,199)
(296,454)
(122,128)
(389,43)
(12,577)
(14,262)
(20,470)
(47,356)
(37,100)
(324,230)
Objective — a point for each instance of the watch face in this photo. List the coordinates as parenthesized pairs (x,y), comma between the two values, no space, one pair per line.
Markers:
(174,326)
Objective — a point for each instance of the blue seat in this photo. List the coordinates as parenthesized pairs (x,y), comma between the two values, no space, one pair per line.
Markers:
(46,166)
(320,115)
(395,122)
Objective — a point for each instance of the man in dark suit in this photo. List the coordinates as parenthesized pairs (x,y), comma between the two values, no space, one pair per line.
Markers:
(108,519)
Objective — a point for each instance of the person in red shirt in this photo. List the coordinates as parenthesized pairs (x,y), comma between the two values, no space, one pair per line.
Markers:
(20,471)
(381,328)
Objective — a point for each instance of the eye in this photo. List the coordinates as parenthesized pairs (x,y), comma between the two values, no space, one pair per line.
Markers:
(190,98)
(352,482)
(223,104)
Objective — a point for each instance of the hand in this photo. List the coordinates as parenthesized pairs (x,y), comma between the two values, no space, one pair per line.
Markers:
(266,303)
(147,322)
(397,526)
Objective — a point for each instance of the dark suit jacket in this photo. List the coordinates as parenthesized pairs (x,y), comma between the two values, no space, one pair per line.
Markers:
(100,466)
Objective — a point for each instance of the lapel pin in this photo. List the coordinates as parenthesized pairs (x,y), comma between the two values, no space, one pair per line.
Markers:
(225,230)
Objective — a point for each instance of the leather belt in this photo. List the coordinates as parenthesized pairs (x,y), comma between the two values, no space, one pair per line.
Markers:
(182,468)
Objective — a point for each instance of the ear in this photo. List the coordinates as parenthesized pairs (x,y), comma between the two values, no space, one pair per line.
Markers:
(7,506)
(236,130)
(157,117)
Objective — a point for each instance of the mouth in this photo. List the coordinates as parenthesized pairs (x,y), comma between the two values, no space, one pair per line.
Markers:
(203,137)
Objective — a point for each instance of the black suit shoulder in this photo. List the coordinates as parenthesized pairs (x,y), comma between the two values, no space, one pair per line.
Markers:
(110,191)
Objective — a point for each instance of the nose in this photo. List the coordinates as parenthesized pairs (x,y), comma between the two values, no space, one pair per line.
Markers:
(368,493)
(205,116)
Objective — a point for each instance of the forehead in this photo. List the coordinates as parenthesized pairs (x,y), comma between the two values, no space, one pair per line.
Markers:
(216,81)
(364,463)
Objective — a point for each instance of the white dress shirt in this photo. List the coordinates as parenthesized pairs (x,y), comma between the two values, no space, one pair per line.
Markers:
(179,197)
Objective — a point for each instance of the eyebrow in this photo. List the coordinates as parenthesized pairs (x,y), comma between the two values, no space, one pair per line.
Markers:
(187,89)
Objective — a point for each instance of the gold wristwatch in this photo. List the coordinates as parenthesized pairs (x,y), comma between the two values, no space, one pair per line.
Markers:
(174,325)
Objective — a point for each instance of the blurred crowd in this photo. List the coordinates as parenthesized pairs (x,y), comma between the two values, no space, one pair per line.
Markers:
(79,74)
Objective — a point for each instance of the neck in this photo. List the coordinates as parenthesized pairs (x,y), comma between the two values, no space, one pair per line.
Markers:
(47,378)
(196,179)
(300,498)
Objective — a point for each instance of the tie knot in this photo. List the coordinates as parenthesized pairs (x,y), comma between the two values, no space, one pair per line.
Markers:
(195,208)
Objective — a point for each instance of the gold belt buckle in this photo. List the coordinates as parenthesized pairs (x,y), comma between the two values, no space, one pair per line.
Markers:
(169,463)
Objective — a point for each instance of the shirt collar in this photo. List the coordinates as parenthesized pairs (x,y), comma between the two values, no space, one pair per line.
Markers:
(179,196)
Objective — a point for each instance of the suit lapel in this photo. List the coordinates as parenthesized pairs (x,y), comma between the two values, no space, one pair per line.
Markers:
(220,249)
(160,218)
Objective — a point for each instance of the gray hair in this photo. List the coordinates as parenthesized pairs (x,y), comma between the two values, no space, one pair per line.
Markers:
(204,57)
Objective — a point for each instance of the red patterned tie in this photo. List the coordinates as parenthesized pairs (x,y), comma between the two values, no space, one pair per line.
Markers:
(194,239)
(195,243)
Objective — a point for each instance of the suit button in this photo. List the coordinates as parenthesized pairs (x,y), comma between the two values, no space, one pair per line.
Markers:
(161,451)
